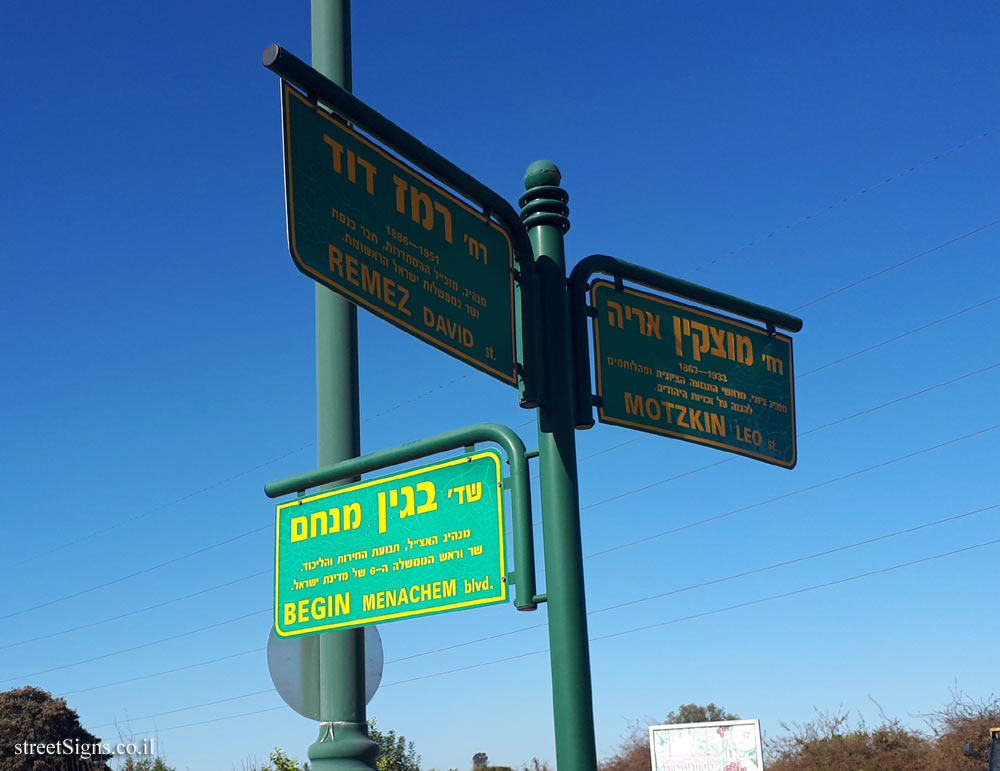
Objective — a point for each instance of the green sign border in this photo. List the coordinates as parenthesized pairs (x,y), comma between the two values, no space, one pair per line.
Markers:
(501,573)
(603,417)
(510,375)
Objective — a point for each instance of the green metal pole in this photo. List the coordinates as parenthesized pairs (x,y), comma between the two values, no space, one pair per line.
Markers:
(546,216)
(343,743)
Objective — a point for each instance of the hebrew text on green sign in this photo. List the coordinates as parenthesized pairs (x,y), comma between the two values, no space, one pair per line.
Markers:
(422,541)
(680,371)
(369,227)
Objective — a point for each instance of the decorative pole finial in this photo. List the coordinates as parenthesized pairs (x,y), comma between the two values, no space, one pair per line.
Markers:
(544,202)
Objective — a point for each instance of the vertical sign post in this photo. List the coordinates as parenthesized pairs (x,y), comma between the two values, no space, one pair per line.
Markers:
(545,215)
(343,743)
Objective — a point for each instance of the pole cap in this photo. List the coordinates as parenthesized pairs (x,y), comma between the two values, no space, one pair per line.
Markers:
(542,173)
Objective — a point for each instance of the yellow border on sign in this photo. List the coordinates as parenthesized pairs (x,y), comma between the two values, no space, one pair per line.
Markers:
(674,434)
(403,614)
(507,377)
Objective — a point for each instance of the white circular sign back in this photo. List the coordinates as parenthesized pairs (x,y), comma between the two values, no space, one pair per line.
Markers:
(294,666)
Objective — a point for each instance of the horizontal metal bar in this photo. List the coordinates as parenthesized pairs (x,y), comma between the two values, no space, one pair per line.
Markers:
(602,263)
(520,489)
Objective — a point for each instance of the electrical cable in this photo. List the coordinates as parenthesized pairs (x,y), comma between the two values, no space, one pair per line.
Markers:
(803,590)
(675,529)
(714,611)
(207,488)
(783,496)
(841,289)
(633,630)
(134,612)
(220,719)
(796,560)
(156,509)
(138,647)
(189,707)
(149,569)
(803,433)
(896,265)
(867,411)
(722,579)
(897,337)
(800,375)
(520,425)
(660,595)
(165,672)
(854,195)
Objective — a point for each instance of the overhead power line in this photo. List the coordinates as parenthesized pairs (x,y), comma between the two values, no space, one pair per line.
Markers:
(610,635)
(49,549)
(216,719)
(803,590)
(799,375)
(636,601)
(714,611)
(520,425)
(720,580)
(856,194)
(838,421)
(783,496)
(135,612)
(897,265)
(177,636)
(150,569)
(188,707)
(891,402)
(620,546)
(797,560)
(162,672)
(605,551)
(588,556)
(909,332)
(157,509)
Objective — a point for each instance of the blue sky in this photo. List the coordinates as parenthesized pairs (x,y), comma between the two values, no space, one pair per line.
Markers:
(835,160)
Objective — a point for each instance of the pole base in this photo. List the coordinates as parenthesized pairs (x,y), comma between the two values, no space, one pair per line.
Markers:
(343,747)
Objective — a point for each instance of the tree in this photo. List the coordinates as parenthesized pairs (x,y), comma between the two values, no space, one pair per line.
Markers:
(395,753)
(30,717)
(963,720)
(479,760)
(695,713)
(146,764)
(633,753)
(830,743)
(279,761)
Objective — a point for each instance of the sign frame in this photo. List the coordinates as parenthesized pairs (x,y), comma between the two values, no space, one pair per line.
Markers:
(498,592)
(486,312)
(784,456)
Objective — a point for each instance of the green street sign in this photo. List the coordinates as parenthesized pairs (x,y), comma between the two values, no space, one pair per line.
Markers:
(676,370)
(422,541)
(389,239)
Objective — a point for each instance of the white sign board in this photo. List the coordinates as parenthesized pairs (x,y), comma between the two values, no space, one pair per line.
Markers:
(728,745)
